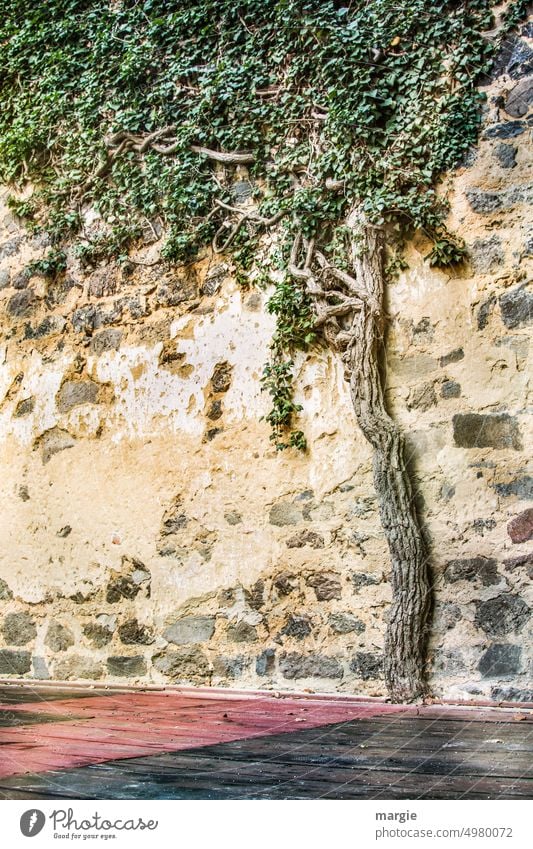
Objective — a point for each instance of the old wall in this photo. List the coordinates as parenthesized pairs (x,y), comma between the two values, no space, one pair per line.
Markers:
(150,533)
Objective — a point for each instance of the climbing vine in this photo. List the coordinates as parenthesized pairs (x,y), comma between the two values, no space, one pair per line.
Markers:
(336,117)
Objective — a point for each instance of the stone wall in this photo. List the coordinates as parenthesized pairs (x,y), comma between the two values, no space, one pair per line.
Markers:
(151,533)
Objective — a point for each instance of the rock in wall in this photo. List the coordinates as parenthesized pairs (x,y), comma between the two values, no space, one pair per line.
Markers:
(151,533)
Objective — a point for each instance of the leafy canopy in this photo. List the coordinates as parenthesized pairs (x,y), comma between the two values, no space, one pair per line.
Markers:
(377,95)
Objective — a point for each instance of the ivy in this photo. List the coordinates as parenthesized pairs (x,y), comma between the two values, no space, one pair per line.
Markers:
(376,97)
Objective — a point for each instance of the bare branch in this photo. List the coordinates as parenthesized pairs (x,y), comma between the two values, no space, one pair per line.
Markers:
(235,158)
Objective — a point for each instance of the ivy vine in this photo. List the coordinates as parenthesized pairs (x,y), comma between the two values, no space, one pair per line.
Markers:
(149,111)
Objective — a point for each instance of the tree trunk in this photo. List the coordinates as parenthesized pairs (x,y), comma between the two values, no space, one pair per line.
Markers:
(405,641)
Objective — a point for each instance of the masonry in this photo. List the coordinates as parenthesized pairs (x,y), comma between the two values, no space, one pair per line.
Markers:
(151,533)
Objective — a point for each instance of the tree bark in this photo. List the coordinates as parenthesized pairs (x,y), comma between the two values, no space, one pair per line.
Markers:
(406,636)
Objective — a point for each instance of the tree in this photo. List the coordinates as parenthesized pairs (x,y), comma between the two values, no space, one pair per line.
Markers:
(343,115)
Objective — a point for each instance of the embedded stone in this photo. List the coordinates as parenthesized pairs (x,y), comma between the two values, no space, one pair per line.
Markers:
(255,595)
(422,397)
(481,569)
(76,667)
(21,303)
(520,98)
(5,278)
(132,632)
(345,623)
(122,586)
(40,669)
(293,666)
(446,615)
(183,665)
(221,378)
(233,518)
(107,340)
(501,615)
(241,632)
(367,665)
(241,190)
(98,635)
(448,663)
(18,629)
(265,662)
(516,306)
(190,630)
(362,579)
(453,357)
(450,389)
(176,291)
(285,513)
(297,626)
(85,319)
(24,407)
(521,62)
(521,487)
(73,393)
(306,537)
(520,529)
(230,667)
(326,587)
(484,312)
(126,667)
(506,155)
(53,441)
(507,130)
(58,637)
(5,592)
(214,410)
(14,662)
(21,280)
(284,584)
(49,325)
(500,659)
(489,430)
(485,203)
(511,694)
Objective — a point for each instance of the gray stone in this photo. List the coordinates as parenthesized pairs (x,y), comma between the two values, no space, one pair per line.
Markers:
(485,203)
(73,393)
(265,662)
(233,518)
(486,256)
(285,584)
(64,532)
(422,397)
(362,579)
(221,378)
(285,513)
(59,637)
(506,155)
(58,289)
(410,368)
(40,669)
(183,665)
(230,667)
(241,190)
(4,278)
(53,441)
(214,410)
(241,632)
(21,303)
(255,596)
(521,487)
(446,615)
(325,585)
(499,660)
(21,280)
(107,340)
(453,357)
(176,291)
(484,312)
(516,306)
(190,630)
(24,407)
(85,319)
(76,667)
(297,626)
(11,247)
(345,623)
(501,615)
(488,430)
(448,663)
(126,667)
(294,666)
(98,635)
(132,633)
(523,560)
(507,130)
(306,537)
(367,665)
(18,629)
(520,98)
(424,330)
(521,62)
(520,529)
(450,389)
(128,585)
(479,569)
(14,662)
(511,694)
(48,326)
(5,592)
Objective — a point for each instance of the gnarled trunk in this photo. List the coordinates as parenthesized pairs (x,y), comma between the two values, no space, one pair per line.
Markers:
(405,641)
